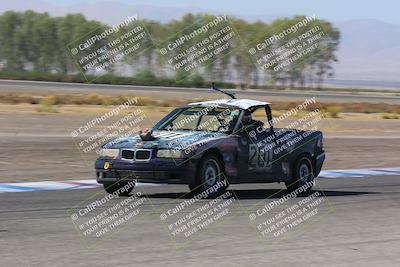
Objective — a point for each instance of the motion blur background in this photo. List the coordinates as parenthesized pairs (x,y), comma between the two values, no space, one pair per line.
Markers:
(44,98)
(365,37)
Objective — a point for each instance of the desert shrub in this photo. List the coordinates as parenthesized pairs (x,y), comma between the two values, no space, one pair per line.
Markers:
(47,104)
(390,116)
(333,111)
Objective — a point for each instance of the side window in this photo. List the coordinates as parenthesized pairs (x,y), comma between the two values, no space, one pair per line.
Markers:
(260,154)
(209,123)
(260,118)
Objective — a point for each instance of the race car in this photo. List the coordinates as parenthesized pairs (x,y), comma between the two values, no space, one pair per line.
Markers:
(213,144)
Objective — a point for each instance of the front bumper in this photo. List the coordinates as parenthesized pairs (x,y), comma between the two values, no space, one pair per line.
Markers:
(174,171)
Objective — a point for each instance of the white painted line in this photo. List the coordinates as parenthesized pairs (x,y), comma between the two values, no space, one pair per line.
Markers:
(362,136)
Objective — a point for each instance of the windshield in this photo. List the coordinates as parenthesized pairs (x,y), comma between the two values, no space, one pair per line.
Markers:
(213,119)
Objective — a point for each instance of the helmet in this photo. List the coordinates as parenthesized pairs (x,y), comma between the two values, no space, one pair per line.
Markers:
(247,118)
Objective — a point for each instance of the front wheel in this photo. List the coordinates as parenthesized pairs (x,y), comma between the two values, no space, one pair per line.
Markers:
(303,175)
(121,188)
(210,177)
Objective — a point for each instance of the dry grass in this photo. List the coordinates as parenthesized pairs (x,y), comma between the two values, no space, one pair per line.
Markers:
(86,99)
(47,105)
(390,116)
(332,111)
(343,107)
(49,102)
(46,109)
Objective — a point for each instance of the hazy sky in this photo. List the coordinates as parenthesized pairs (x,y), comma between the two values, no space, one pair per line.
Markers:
(334,10)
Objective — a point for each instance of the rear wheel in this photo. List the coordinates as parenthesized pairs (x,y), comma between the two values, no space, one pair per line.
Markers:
(122,188)
(210,177)
(303,175)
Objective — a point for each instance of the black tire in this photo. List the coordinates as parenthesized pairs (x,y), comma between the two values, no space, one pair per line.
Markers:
(209,173)
(303,174)
(111,188)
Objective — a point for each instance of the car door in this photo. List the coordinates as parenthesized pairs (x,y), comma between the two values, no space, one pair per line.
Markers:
(256,153)
(260,154)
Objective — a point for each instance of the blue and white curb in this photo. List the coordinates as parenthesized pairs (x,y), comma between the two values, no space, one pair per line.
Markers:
(48,185)
(360,173)
(91,183)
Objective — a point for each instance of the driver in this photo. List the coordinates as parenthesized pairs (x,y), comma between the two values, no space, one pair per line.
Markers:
(248,122)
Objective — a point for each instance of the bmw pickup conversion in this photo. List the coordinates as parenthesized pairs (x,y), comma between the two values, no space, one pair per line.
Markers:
(205,143)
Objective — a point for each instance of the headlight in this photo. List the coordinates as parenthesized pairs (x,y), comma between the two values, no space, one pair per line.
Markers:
(169,153)
(109,152)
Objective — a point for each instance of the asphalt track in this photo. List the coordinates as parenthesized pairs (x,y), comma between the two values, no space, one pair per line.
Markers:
(181,92)
(358,225)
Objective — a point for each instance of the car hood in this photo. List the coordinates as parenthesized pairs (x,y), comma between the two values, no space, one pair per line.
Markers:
(166,140)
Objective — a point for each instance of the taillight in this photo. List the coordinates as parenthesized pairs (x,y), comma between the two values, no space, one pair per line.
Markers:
(320,143)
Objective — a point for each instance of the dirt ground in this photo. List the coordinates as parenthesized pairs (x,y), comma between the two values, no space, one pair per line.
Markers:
(39,146)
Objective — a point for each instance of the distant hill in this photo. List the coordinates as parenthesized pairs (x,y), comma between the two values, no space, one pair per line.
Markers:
(370,50)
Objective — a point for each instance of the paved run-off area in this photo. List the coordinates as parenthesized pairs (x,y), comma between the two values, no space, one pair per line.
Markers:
(357,226)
